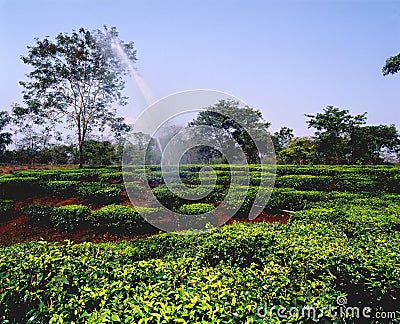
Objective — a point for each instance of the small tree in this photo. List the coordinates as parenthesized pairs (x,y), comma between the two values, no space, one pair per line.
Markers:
(5,138)
(300,150)
(75,78)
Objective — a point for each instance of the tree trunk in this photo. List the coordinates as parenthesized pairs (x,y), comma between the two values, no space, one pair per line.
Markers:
(80,155)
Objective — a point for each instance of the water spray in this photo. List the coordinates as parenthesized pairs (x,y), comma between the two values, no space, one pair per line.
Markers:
(144,89)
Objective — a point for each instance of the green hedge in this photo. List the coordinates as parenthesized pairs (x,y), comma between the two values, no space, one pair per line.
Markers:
(97,191)
(63,188)
(173,201)
(193,219)
(195,209)
(354,219)
(224,275)
(12,187)
(6,209)
(70,217)
(39,213)
(122,219)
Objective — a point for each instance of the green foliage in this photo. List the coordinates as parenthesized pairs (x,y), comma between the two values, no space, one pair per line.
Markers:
(6,208)
(334,128)
(5,138)
(245,125)
(63,188)
(299,150)
(354,219)
(304,182)
(368,141)
(192,216)
(195,209)
(39,213)
(221,275)
(99,192)
(11,186)
(81,60)
(282,138)
(121,219)
(115,177)
(70,217)
(392,65)
(343,240)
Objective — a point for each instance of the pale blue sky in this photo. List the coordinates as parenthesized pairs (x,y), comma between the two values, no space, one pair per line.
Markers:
(286,58)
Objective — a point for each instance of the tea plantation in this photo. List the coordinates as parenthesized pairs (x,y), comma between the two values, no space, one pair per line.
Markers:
(337,257)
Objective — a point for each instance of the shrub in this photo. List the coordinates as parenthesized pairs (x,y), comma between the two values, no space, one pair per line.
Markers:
(39,213)
(221,275)
(99,192)
(304,182)
(355,183)
(193,219)
(111,177)
(166,197)
(354,220)
(63,188)
(195,209)
(12,187)
(6,209)
(120,219)
(70,217)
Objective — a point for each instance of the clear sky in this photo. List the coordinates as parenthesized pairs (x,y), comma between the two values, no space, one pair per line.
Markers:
(286,58)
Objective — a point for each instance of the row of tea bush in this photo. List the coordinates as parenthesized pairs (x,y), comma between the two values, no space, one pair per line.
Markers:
(226,275)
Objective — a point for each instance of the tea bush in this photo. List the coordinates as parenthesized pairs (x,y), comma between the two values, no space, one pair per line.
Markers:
(224,275)
(121,219)
(39,213)
(355,220)
(12,187)
(6,209)
(304,182)
(193,217)
(63,188)
(195,209)
(70,217)
(99,192)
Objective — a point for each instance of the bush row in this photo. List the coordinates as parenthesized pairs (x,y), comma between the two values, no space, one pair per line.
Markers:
(22,187)
(112,218)
(224,275)
(278,198)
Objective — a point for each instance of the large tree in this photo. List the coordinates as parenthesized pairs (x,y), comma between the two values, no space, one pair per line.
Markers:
(392,65)
(368,142)
(230,120)
(334,128)
(76,78)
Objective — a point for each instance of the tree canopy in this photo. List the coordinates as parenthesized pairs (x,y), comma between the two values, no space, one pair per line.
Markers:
(282,138)
(367,143)
(392,65)
(334,128)
(231,120)
(75,79)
